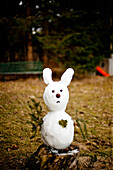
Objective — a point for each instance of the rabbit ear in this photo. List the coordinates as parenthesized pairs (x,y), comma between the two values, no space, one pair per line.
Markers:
(47,75)
(67,76)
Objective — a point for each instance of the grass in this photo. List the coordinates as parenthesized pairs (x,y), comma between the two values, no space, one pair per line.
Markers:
(91,97)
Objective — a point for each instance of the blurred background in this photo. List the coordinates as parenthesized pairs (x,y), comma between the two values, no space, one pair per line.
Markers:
(61,34)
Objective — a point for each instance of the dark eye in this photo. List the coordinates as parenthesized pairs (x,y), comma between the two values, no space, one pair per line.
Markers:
(61,90)
(53,91)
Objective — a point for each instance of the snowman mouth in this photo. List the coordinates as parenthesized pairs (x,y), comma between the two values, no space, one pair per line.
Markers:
(58,102)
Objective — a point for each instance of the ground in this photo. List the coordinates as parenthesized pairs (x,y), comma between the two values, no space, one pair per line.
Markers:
(90,105)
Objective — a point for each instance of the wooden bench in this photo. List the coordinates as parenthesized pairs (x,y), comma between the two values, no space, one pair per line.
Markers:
(26,67)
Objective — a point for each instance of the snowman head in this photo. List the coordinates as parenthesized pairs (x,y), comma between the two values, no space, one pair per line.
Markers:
(56,94)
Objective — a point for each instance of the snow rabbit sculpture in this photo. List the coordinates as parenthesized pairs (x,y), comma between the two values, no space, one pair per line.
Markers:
(57,129)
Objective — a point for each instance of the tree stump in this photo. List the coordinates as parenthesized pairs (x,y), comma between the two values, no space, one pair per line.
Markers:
(47,158)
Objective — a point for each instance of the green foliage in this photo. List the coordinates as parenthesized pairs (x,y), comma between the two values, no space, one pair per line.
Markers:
(36,117)
(84,129)
(81,51)
(63,123)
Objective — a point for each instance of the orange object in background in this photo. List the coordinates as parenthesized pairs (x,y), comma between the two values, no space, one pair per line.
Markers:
(100,70)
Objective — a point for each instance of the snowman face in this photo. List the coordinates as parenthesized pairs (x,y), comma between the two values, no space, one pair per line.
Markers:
(56,96)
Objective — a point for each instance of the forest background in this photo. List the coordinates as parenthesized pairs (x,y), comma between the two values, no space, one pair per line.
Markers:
(71,33)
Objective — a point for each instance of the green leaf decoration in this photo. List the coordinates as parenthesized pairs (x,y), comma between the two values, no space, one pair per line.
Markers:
(63,123)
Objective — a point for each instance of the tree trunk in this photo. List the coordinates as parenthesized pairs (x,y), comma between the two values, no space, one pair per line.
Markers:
(29,56)
(45,51)
(44,158)
(45,58)
(29,48)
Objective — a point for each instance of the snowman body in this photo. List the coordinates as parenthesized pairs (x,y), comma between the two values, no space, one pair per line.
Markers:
(54,134)
(57,129)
